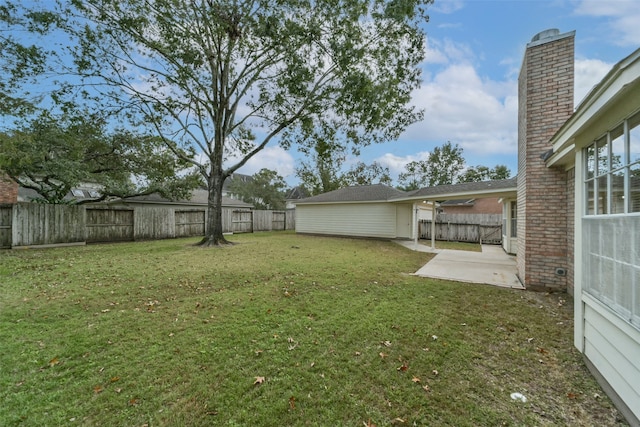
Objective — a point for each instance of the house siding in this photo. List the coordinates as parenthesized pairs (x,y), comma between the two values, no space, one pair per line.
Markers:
(348,219)
(613,348)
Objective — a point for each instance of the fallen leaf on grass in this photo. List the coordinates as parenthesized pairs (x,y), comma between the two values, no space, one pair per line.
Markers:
(382,355)
(435,372)
(97,389)
(386,343)
(259,380)
(415,380)
(134,401)
(542,350)
(397,421)
(292,402)
(571,395)
(426,388)
(53,362)
(114,379)
(403,367)
(368,423)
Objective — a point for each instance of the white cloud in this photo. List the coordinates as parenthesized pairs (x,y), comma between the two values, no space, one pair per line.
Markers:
(274,158)
(446,51)
(447,6)
(588,73)
(396,163)
(461,107)
(623,16)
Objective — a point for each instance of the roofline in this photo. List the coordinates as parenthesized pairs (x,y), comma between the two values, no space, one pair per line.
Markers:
(610,88)
(157,202)
(500,192)
(344,202)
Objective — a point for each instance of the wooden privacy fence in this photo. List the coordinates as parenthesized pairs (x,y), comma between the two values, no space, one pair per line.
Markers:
(32,224)
(478,228)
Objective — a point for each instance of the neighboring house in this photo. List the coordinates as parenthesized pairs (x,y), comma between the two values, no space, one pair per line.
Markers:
(295,194)
(235,177)
(8,190)
(473,206)
(80,194)
(198,200)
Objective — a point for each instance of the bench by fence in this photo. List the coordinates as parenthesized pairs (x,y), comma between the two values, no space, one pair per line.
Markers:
(33,224)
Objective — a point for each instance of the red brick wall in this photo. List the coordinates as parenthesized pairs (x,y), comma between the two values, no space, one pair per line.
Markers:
(8,190)
(480,206)
(545,103)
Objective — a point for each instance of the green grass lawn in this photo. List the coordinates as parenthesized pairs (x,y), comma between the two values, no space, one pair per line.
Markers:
(278,330)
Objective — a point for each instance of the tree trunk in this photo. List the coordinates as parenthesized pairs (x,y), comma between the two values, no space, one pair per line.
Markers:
(213,230)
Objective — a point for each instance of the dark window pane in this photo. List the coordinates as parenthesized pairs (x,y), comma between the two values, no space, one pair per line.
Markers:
(590,197)
(603,205)
(617,191)
(634,188)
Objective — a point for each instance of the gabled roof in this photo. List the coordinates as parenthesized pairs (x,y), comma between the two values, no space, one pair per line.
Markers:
(297,193)
(381,192)
(465,190)
(198,197)
(358,193)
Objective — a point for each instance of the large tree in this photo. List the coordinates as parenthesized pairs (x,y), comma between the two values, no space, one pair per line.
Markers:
(228,77)
(52,155)
(443,166)
(484,173)
(364,174)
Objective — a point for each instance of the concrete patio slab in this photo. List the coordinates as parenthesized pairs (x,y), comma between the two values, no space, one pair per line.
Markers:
(492,266)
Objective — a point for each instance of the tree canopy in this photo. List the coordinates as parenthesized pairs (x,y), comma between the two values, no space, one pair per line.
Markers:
(225,78)
(446,165)
(322,171)
(483,173)
(53,155)
(265,190)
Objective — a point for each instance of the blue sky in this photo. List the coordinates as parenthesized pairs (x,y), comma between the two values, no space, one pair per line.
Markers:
(469,93)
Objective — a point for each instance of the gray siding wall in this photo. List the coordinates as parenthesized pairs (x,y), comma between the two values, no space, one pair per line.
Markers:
(613,347)
(348,219)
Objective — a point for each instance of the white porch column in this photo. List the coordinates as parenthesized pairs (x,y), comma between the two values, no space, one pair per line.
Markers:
(433,224)
(415,225)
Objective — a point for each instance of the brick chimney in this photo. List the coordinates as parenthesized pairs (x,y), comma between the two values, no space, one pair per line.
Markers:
(545,102)
(8,190)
